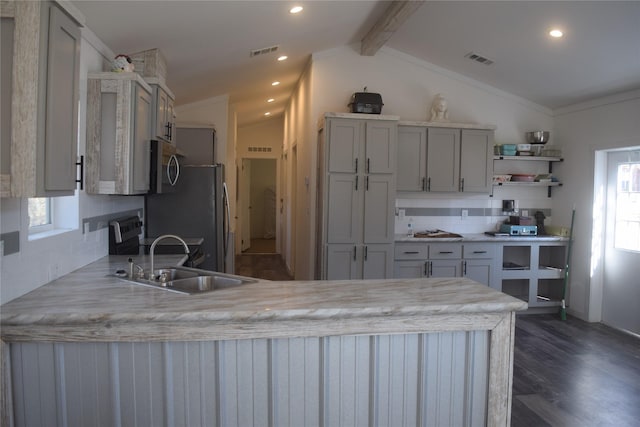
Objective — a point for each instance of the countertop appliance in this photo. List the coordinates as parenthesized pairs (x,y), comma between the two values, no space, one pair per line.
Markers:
(198,207)
(519,230)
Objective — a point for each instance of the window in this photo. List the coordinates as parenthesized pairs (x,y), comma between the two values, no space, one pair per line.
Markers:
(627,231)
(49,216)
(40,215)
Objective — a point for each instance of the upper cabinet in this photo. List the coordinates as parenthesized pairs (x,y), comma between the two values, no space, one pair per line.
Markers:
(163,116)
(435,158)
(119,111)
(44,86)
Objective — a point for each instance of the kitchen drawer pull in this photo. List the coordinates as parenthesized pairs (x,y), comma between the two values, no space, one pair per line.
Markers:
(462,184)
(426,273)
(356,165)
(479,252)
(464,268)
(368,165)
(429,184)
(424,184)
(356,182)
(411,252)
(355,248)
(445,252)
(366,181)
(366,252)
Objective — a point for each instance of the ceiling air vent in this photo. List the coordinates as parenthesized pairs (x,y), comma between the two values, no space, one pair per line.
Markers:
(262,51)
(478,58)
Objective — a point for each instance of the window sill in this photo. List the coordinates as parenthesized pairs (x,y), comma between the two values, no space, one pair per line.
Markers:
(48,233)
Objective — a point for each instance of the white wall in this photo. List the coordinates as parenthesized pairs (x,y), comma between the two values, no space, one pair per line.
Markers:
(583,129)
(40,261)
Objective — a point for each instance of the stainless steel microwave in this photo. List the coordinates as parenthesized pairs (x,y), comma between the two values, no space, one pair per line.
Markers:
(165,167)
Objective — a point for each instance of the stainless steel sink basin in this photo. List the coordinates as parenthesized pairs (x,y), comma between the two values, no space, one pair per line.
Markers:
(190,281)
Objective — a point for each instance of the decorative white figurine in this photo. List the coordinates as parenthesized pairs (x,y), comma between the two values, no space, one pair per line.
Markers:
(122,63)
(439,112)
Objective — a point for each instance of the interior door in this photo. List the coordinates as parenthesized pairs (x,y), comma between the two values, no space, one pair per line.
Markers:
(245,202)
(621,288)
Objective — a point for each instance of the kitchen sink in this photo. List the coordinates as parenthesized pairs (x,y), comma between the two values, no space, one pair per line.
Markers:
(190,281)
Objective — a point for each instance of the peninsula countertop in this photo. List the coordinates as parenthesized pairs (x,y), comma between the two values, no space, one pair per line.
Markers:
(90,304)
(480,237)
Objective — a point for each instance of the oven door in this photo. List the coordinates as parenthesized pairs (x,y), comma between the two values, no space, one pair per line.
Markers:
(165,168)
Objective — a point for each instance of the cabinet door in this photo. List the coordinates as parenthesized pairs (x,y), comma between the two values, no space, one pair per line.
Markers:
(162,107)
(443,159)
(344,208)
(380,147)
(476,161)
(379,204)
(478,270)
(61,128)
(444,268)
(344,146)
(411,166)
(6,66)
(141,140)
(410,269)
(377,261)
(343,262)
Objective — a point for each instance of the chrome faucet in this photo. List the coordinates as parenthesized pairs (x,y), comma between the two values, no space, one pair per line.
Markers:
(153,248)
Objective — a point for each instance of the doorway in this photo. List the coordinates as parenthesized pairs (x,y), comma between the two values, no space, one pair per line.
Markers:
(258,206)
(621,286)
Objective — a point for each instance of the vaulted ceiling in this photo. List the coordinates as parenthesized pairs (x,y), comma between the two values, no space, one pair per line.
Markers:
(207,43)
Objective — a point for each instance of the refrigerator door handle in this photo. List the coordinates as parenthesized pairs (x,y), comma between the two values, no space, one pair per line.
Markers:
(225,196)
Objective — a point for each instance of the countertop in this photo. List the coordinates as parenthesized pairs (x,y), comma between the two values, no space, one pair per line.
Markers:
(90,304)
(480,237)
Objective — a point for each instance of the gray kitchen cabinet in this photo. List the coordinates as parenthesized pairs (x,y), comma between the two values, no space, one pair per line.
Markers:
(444,159)
(163,121)
(357,196)
(473,260)
(118,133)
(478,262)
(44,97)
(533,272)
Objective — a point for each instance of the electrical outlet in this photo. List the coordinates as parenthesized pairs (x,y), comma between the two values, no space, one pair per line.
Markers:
(465,213)
(401,213)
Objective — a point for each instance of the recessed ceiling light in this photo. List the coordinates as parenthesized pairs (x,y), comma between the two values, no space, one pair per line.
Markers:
(555,33)
(267,113)
(295,9)
(282,58)
(270,100)
(275,83)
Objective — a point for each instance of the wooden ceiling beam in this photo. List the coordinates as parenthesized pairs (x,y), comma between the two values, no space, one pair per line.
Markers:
(397,13)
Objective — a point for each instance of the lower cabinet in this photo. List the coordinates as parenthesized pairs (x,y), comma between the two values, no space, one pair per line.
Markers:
(472,260)
(533,272)
(530,270)
(372,261)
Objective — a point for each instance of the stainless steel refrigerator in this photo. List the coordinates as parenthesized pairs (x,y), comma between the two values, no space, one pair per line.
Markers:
(197,208)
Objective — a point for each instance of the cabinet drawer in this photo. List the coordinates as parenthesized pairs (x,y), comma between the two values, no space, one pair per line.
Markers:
(445,251)
(478,250)
(411,251)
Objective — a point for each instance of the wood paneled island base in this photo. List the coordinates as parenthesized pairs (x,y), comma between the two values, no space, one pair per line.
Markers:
(89,348)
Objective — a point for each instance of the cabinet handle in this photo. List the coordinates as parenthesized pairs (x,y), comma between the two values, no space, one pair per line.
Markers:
(356,165)
(445,252)
(464,268)
(356,182)
(355,248)
(426,273)
(366,181)
(429,184)
(424,183)
(462,184)
(167,134)
(479,252)
(368,165)
(411,252)
(366,252)
(430,268)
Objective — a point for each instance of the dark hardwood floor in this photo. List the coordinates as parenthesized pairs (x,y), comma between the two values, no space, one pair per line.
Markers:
(574,373)
(262,266)
(566,373)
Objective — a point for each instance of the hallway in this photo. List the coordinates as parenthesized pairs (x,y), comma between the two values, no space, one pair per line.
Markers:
(262,266)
